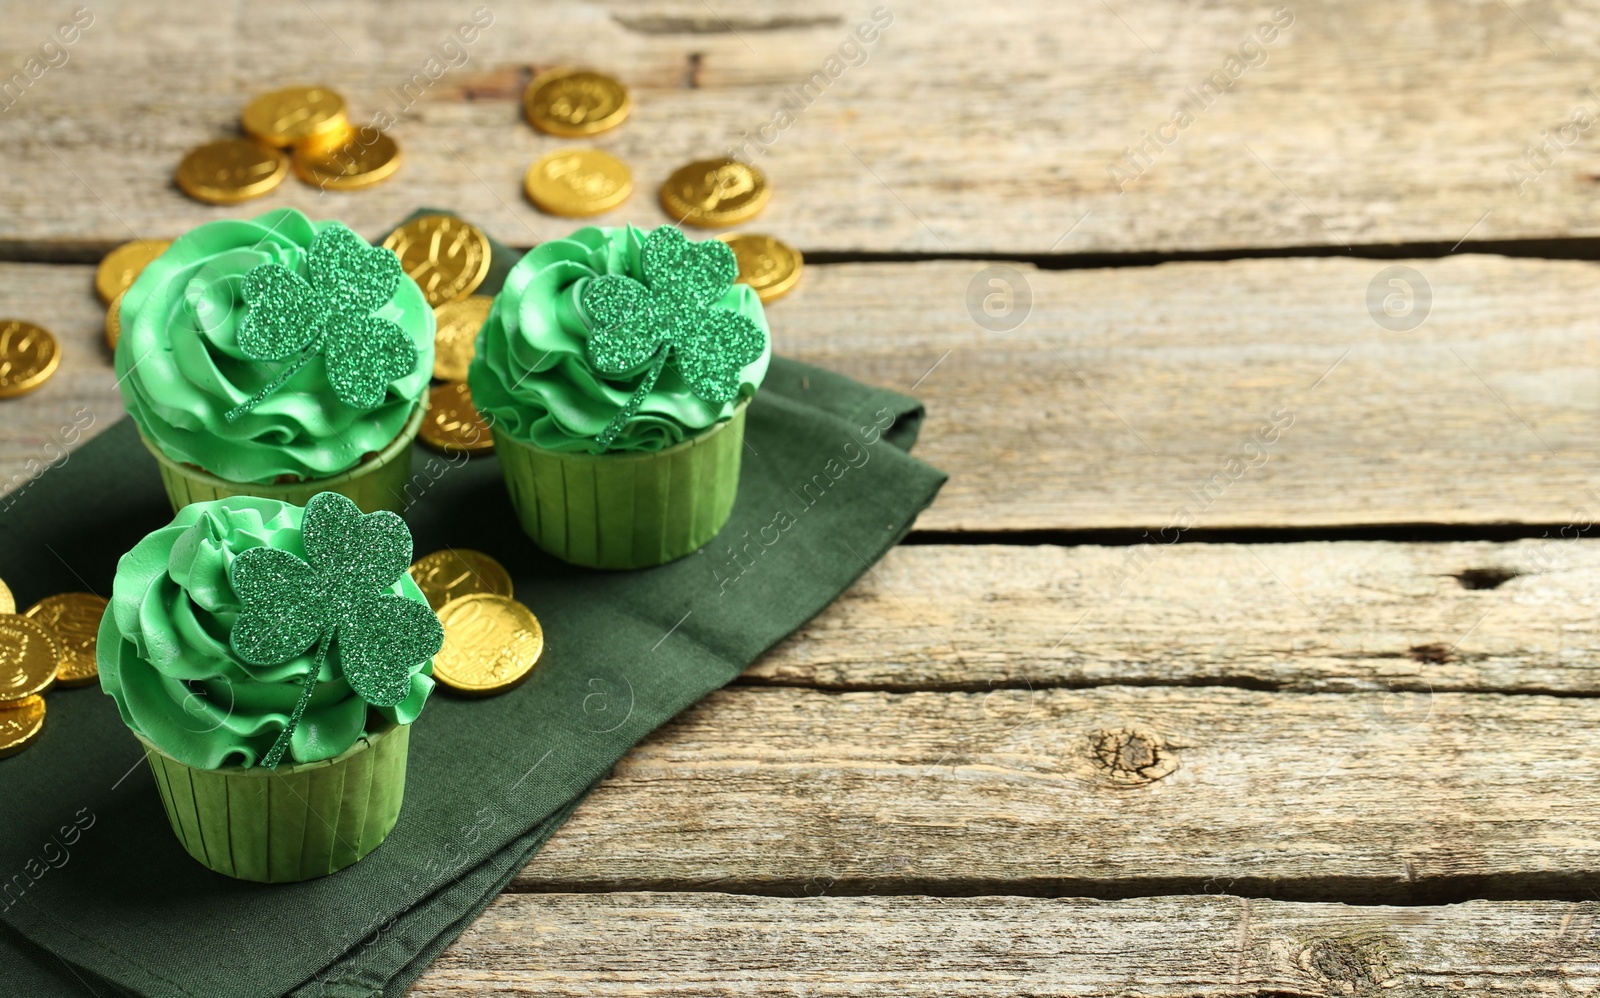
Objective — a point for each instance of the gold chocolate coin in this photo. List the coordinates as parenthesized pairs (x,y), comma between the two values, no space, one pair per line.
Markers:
(577,182)
(122,266)
(8,603)
(575,102)
(231,171)
(454,342)
(768,265)
(74,619)
(29,655)
(452,424)
(445,575)
(284,117)
(491,643)
(28,356)
(448,258)
(114,321)
(351,165)
(20,723)
(715,192)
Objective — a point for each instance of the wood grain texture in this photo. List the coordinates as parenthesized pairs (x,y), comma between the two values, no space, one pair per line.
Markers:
(1318,617)
(1134,398)
(1110,792)
(968,127)
(1167,947)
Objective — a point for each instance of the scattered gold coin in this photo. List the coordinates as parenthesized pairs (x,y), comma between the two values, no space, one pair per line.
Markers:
(122,266)
(575,102)
(456,337)
(28,356)
(8,603)
(284,117)
(347,166)
(74,620)
(715,192)
(20,723)
(577,182)
(452,572)
(491,643)
(114,321)
(231,171)
(768,265)
(29,655)
(452,424)
(448,258)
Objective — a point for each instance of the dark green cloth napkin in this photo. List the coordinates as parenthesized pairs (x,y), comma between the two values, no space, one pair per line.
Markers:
(99,898)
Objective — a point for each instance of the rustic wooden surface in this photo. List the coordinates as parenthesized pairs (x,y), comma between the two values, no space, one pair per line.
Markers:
(1339,741)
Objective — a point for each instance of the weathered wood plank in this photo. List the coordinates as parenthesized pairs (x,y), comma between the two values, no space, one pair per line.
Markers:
(969,127)
(1165,947)
(1313,617)
(1138,398)
(1109,792)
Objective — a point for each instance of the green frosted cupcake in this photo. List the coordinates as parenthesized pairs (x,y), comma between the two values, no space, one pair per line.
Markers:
(270,660)
(277,357)
(615,369)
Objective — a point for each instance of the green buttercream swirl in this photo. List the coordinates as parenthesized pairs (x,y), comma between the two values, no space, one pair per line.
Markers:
(164,653)
(531,375)
(180,367)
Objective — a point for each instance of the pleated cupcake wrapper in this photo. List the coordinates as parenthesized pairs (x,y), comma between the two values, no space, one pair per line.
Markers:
(293,823)
(626,510)
(378,483)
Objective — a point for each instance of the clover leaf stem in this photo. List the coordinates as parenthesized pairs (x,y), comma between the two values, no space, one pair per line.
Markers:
(281,746)
(635,400)
(277,383)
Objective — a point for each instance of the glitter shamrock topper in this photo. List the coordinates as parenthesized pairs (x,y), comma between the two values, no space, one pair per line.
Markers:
(337,594)
(672,314)
(291,319)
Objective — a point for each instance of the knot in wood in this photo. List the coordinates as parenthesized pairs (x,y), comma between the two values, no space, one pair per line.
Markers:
(1132,757)
(1359,965)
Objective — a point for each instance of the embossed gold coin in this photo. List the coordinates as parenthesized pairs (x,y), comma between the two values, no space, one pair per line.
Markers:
(8,603)
(448,258)
(491,643)
(457,325)
(122,266)
(74,620)
(20,723)
(575,102)
(231,171)
(29,655)
(452,572)
(577,182)
(768,265)
(114,321)
(365,158)
(715,192)
(284,117)
(28,356)
(452,424)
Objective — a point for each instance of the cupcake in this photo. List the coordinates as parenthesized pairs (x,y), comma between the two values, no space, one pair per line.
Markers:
(270,659)
(615,368)
(277,357)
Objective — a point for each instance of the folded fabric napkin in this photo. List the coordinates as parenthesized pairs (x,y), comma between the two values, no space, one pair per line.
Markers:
(98,898)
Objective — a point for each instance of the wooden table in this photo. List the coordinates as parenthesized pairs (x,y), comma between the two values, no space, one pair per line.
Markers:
(1340,740)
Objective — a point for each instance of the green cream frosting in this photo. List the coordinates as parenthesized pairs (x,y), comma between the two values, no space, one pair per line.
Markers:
(531,375)
(164,654)
(180,367)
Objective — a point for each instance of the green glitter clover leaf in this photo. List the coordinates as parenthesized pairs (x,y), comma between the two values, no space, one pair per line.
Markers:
(289,318)
(337,593)
(672,314)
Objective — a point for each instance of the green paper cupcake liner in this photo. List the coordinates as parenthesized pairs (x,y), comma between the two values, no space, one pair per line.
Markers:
(626,510)
(293,823)
(374,484)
